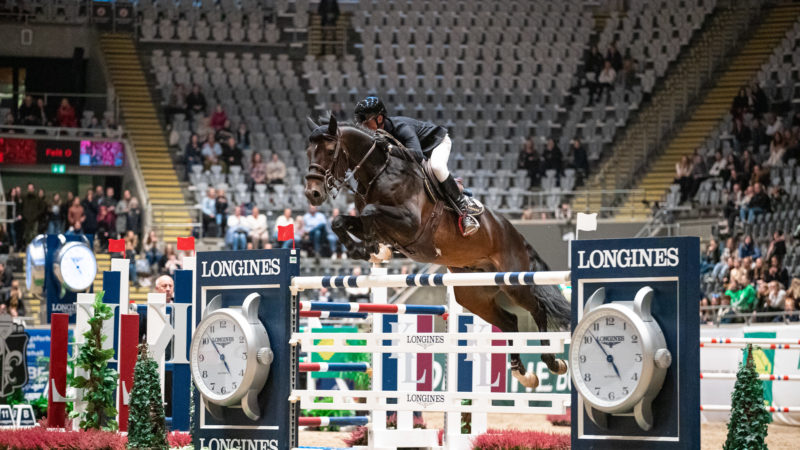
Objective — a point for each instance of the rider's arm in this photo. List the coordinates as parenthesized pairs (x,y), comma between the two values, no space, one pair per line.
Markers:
(408,137)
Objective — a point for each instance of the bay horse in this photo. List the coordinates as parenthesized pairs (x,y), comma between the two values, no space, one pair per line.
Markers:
(394,209)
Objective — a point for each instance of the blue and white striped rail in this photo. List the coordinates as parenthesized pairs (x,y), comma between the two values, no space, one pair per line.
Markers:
(333,315)
(334,367)
(436,310)
(435,279)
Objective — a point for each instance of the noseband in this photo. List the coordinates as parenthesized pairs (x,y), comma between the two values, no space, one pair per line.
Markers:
(332,183)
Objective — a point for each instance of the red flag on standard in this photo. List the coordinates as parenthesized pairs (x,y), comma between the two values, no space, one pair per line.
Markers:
(116,245)
(186,243)
(286,233)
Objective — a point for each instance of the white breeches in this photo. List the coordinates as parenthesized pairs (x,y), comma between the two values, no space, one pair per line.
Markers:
(439,157)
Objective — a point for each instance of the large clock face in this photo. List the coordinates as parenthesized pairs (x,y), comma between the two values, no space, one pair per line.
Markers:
(609,358)
(78,267)
(220,356)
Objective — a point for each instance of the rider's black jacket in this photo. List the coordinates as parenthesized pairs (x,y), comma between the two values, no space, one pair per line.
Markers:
(419,137)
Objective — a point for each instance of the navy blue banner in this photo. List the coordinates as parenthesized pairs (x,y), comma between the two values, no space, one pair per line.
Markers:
(235,275)
(670,266)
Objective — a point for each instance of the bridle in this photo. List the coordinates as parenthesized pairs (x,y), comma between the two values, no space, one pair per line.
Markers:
(333,184)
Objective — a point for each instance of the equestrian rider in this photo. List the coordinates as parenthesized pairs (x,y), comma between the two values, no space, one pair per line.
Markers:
(420,137)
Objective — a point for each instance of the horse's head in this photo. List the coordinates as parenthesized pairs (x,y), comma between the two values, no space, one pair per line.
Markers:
(321,152)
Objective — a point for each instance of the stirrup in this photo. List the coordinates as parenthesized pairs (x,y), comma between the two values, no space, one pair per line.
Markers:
(471,229)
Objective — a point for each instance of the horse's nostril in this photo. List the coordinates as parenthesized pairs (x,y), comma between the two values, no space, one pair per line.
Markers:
(317,194)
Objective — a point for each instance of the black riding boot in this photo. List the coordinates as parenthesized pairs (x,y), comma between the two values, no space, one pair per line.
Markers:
(468,225)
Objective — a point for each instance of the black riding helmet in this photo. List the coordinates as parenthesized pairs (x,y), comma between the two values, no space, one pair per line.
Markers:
(369,108)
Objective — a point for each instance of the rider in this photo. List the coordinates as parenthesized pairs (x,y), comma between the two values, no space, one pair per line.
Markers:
(420,137)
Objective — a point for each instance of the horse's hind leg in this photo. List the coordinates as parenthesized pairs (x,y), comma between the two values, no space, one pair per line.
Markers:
(481,302)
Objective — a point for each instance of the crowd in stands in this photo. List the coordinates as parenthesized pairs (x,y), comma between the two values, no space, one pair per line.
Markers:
(753,272)
(35,112)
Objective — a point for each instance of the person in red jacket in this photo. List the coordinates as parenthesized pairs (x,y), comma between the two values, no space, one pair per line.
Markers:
(66,115)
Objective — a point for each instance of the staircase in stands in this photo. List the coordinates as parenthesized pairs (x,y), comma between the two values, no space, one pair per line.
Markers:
(717,102)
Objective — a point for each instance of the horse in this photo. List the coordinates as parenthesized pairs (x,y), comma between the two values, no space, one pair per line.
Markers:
(394,209)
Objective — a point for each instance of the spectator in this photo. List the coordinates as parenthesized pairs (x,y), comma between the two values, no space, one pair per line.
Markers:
(93,124)
(337,249)
(6,276)
(14,305)
(777,272)
(774,124)
(29,113)
(592,65)
(529,161)
(760,101)
(720,164)
(741,135)
(8,124)
(243,136)
(193,154)
(32,209)
(66,115)
(218,118)
(776,296)
(134,217)
(743,295)
(777,247)
(300,234)
(165,285)
(258,170)
(209,211)
(710,257)
(276,170)
(14,212)
(789,311)
(196,103)
(698,174)
(109,200)
(221,211)
(176,103)
(55,224)
(106,226)
(152,250)
(741,104)
(121,210)
(614,57)
(203,128)
(758,134)
(315,227)
(131,237)
(231,153)
(777,148)
(259,232)
(605,79)
(89,224)
(238,229)
(130,255)
(551,158)
(748,248)
(683,176)
(627,76)
(212,152)
(169,262)
(75,215)
(43,116)
(225,131)
(578,158)
(759,204)
(328,11)
(282,221)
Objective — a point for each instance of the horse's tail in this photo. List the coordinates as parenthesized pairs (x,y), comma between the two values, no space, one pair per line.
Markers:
(556,306)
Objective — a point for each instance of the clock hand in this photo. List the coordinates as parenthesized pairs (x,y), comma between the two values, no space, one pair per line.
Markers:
(221,356)
(609,358)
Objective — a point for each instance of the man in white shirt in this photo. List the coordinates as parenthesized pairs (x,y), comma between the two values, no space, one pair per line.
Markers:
(209,209)
(238,229)
(258,228)
(774,124)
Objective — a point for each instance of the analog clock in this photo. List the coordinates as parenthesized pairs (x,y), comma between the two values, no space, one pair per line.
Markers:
(619,358)
(231,356)
(75,266)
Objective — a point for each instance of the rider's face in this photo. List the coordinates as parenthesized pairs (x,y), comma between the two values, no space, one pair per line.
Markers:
(372,123)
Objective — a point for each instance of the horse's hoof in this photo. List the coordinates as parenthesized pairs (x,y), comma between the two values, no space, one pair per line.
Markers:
(562,367)
(529,380)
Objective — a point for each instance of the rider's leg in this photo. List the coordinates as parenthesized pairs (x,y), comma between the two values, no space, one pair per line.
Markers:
(439,157)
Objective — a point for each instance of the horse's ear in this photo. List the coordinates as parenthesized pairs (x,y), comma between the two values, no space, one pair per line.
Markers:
(332,126)
(311,125)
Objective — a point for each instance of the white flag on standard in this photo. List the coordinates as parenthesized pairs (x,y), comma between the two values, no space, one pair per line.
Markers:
(586,222)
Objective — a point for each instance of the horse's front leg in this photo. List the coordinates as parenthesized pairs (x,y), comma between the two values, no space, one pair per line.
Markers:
(345,228)
(381,217)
